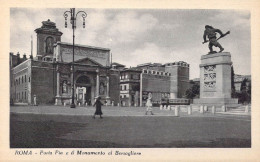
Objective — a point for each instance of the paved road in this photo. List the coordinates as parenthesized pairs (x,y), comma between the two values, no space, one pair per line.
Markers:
(62,127)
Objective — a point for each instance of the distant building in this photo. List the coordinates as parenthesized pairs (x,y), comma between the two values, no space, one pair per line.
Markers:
(164,82)
(117,66)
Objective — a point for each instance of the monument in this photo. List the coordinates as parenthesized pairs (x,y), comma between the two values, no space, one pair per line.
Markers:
(215,73)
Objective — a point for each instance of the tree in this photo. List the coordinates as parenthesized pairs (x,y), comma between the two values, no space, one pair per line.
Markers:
(244,96)
(249,92)
(233,89)
(193,92)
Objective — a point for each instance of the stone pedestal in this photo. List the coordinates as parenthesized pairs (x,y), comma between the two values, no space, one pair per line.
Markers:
(215,80)
(58,100)
(108,101)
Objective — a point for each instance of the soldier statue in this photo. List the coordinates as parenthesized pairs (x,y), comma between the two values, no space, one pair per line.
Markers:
(213,40)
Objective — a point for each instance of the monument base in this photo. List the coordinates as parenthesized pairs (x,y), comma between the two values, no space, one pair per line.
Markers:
(229,102)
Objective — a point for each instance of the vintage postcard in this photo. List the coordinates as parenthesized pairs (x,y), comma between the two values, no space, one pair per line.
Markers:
(159,81)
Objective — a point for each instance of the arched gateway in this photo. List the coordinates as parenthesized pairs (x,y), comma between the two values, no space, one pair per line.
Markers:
(85,89)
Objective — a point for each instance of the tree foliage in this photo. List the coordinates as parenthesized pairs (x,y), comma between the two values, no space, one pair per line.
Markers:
(244,96)
(193,92)
(233,89)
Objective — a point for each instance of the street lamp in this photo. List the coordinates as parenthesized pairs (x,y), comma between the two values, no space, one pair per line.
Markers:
(73,19)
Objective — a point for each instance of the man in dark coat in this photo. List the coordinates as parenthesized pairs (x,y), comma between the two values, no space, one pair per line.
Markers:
(98,105)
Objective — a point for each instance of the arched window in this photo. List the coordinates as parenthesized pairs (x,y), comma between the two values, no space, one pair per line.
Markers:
(49,45)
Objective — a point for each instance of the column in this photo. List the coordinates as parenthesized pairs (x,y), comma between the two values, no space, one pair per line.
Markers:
(58,84)
(97,83)
(107,97)
(107,86)
(58,97)
(141,89)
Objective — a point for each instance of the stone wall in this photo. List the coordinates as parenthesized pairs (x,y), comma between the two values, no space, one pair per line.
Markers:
(43,82)
(156,83)
(114,88)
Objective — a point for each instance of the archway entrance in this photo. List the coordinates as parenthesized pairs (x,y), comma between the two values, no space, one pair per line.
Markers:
(83,90)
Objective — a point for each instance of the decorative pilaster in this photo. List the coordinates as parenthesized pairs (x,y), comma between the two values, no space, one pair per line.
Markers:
(107,97)
(107,86)
(97,83)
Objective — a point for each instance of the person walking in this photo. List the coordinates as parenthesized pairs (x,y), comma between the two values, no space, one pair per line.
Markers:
(98,105)
(149,106)
(34,100)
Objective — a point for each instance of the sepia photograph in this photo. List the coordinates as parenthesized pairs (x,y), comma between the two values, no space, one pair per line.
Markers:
(129,78)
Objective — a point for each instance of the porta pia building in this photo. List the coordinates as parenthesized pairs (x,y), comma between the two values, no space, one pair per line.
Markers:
(49,75)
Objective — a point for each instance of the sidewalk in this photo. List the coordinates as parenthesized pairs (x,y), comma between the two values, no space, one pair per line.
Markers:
(110,111)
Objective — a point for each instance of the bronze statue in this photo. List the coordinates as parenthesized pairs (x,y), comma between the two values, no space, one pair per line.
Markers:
(213,40)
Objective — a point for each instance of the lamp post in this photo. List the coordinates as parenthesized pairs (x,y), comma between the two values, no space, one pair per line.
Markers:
(73,19)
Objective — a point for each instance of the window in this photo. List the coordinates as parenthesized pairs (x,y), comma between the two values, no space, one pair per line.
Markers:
(121,87)
(124,87)
(22,95)
(19,80)
(25,95)
(25,78)
(29,79)
(22,79)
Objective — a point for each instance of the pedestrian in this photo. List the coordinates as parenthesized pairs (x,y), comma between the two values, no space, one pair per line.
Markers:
(149,106)
(34,100)
(98,105)
(89,102)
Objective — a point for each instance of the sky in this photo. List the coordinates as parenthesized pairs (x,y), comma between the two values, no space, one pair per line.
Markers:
(137,36)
